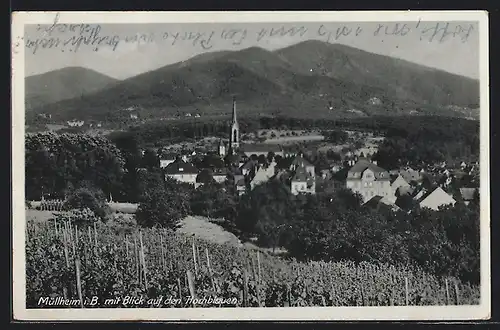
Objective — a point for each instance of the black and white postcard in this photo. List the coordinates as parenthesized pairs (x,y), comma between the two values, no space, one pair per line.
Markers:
(250,166)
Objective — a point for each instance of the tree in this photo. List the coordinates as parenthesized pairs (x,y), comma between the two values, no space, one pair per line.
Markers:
(270,156)
(53,160)
(86,196)
(406,202)
(262,159)
(150,160)
(161,207)
(205,177)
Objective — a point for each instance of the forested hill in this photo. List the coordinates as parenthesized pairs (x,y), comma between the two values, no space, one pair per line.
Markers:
(313,78)
(67,83)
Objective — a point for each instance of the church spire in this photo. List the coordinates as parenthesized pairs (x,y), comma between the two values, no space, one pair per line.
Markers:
(234,110)
(234,138)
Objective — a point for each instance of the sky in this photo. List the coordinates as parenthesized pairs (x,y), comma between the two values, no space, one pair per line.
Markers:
(124,50)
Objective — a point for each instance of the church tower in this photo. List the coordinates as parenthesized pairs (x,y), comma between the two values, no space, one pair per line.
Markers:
(222,148)
(234,139)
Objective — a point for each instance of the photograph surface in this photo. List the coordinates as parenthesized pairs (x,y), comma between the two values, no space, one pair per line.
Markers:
(238,165)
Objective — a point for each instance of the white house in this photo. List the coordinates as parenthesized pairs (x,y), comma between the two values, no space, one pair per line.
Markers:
(182,171)
(369,180)
(303,181)
(436,198)
(75,123)
(263,175)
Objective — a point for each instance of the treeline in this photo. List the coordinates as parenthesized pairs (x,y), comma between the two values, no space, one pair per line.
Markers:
(441,130)
(56,163)
(429,142)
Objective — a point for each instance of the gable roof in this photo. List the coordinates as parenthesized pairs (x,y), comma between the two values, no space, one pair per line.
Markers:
(180,167)
(262,175)
(399,181)
(436,198)
(355,172)
(301,175)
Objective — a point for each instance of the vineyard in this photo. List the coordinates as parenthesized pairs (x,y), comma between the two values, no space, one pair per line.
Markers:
(81,262)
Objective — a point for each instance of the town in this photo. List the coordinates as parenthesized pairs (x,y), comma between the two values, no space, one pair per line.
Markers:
(252,164)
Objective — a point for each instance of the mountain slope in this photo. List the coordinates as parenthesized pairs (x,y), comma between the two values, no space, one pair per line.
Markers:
(402,78)
(309,78)
(66,83)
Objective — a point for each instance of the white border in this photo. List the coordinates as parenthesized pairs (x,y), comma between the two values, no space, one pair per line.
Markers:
(481,311)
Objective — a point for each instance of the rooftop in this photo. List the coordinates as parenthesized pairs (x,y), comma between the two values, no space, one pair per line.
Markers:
(362,165)
(181,167)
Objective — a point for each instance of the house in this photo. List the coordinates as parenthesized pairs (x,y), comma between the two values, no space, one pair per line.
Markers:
(438,197)
(400,186)
(182,171)
(75,123)
(263,174)
(302,181)
(261,149)
(133,116)
(241,185)
(219,174)
(369,180)
(300,161)
(167,159)
(467,194)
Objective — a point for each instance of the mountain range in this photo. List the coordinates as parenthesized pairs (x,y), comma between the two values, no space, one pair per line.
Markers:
(311,78)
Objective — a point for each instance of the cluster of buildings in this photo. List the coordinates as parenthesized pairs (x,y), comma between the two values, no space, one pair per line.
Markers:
(249,164)
(253,164)
(376,185)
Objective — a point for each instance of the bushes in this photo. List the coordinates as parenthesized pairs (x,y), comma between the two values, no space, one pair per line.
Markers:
(87,196)
(80,217)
